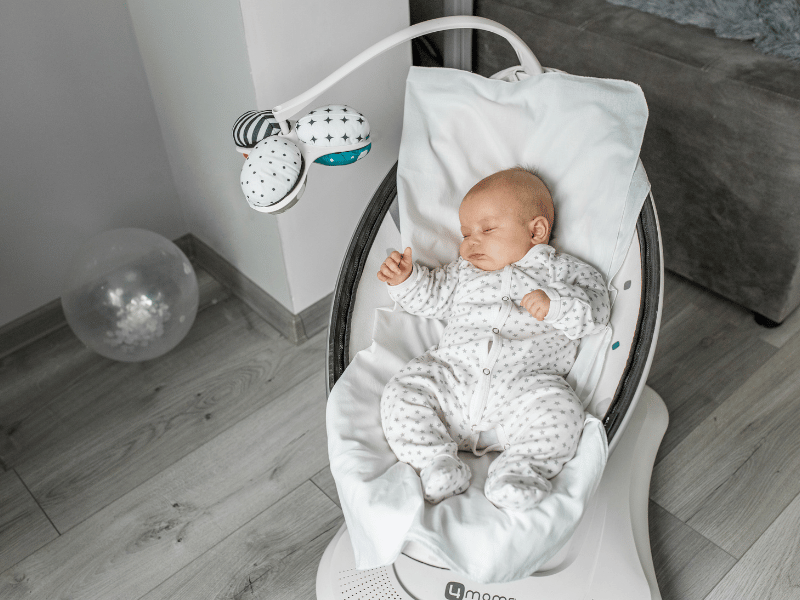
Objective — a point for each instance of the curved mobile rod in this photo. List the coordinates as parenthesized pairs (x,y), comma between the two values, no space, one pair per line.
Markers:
(526,58)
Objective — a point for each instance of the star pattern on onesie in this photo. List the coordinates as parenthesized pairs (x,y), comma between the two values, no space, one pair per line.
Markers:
(496,368)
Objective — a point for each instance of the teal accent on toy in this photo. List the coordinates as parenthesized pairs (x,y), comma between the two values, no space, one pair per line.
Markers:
(344,158)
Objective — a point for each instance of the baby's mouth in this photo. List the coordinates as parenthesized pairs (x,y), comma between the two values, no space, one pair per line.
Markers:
(476,259)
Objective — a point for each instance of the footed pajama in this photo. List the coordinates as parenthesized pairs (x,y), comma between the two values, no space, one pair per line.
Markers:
(496,380)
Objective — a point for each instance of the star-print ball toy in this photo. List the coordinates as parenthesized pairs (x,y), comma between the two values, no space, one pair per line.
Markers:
(270,171)
(333,125)
(253,126)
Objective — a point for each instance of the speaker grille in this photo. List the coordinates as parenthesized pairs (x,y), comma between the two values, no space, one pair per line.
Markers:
(370,584)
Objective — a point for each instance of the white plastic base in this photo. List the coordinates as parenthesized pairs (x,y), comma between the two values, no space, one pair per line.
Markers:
(608,557)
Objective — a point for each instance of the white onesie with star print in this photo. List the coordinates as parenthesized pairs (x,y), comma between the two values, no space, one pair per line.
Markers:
(495,382)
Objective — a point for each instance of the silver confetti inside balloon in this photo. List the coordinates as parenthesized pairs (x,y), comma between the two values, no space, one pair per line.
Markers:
(131,295)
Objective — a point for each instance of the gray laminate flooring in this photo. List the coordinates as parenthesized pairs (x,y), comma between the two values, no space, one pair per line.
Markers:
(204,474)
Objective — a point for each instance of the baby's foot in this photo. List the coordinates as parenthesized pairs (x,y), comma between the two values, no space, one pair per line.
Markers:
(516,492)
(446,476)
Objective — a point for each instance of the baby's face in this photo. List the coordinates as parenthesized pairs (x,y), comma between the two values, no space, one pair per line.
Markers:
(495,232)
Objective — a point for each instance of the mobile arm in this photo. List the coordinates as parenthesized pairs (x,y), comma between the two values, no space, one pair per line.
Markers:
(526,58)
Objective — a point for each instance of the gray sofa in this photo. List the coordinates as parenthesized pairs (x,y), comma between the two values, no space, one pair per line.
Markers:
(722,147)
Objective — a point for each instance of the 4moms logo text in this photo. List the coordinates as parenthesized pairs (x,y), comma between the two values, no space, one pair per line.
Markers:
(456,591)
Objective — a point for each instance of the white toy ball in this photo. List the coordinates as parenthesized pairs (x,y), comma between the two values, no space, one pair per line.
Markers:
(131,295)
(333,125)
(270,171)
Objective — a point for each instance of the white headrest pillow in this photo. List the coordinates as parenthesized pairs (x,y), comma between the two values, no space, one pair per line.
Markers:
(582,135)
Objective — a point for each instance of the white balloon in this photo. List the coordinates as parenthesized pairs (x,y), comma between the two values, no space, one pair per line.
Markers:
(131,295)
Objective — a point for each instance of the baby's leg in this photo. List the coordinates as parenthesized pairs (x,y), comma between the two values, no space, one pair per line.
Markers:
(413,421)
(520,477)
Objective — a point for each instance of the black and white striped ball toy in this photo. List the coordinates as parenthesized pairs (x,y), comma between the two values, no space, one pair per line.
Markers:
(254,126)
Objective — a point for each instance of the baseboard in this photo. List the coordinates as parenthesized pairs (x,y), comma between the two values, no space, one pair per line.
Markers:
(296,328)
(30,327)
(316,317)
(36,324)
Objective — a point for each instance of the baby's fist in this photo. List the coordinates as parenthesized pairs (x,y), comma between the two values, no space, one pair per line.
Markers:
(396,269)
(537,303)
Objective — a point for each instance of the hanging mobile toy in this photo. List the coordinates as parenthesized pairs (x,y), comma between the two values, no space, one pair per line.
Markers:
(278,155)
(276,163)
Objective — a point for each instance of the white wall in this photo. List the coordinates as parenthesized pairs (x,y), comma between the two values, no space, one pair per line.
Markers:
(113,117)
(292,46)
(80,145)
(209,62)
(196,61)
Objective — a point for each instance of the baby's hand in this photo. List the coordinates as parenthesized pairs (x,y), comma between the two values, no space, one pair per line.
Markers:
(396,269)
(537,303)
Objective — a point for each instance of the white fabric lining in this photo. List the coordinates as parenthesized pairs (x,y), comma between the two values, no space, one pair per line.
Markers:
(458,128)
(581,134)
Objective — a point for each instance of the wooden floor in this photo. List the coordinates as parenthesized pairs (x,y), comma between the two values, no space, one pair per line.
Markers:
(203,474)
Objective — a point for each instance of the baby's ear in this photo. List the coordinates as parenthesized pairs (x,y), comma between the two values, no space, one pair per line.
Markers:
(540,230)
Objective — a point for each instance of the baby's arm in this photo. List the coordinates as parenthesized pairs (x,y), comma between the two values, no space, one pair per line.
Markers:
(396,269)
(579,303)
(428,292)
(537,303)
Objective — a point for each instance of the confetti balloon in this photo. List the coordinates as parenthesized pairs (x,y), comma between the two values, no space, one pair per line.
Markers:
(131,295)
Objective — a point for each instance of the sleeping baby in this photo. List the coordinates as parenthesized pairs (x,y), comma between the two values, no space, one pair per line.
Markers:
(515,310)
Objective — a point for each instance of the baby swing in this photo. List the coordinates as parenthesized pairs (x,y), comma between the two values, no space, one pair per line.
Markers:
(589,539)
